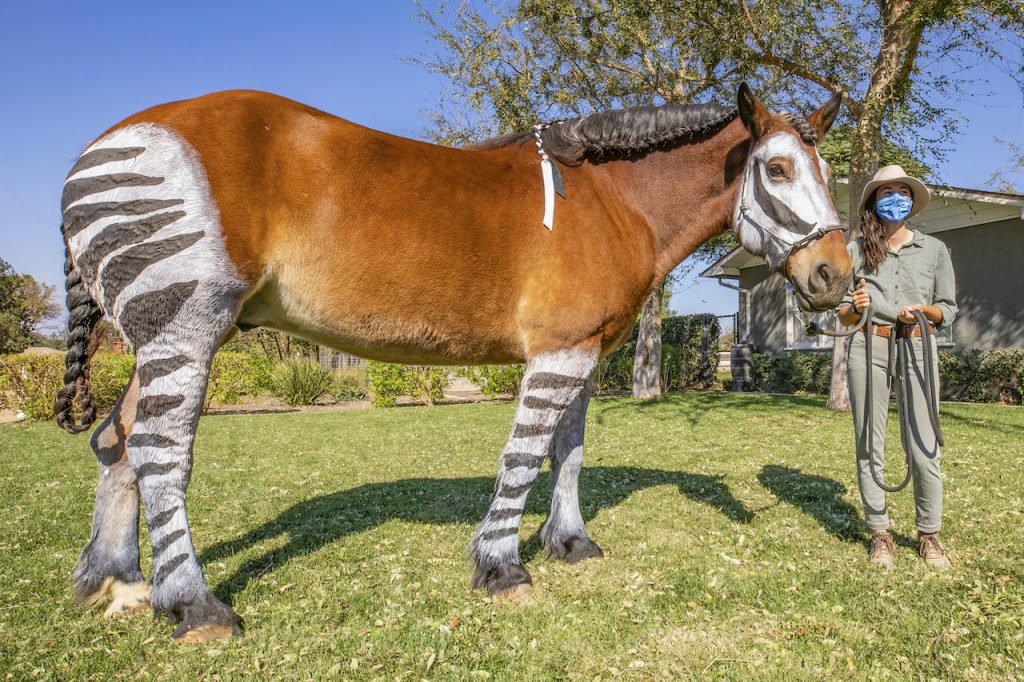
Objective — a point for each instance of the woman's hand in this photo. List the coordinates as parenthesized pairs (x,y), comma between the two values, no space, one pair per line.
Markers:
(906,313)
(861,297)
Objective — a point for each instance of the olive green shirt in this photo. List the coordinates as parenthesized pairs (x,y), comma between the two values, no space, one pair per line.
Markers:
(919,272)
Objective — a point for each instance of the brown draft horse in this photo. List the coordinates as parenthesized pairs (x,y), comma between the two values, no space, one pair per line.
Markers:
(244,208)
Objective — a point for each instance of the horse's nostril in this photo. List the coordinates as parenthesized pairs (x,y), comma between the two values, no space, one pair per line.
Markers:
(825,272)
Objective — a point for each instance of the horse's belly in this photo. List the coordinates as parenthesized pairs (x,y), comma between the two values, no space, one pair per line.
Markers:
(391,325)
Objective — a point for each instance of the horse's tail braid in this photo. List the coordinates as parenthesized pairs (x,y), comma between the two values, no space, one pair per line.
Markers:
(83,313)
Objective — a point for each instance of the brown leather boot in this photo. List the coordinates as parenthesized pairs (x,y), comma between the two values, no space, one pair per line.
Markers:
(930,549)
(882,547)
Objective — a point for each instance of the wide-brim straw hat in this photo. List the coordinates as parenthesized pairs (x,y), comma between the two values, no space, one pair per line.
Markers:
(895,173)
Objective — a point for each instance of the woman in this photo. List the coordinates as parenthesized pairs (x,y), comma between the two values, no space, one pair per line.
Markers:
(897,271)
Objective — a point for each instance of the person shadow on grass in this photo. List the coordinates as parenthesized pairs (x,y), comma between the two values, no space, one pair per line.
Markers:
(314,523)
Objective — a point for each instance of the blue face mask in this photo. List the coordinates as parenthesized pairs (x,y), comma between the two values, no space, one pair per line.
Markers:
(893,208)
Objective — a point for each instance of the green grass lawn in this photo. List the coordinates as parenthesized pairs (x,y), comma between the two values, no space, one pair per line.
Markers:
(729,523)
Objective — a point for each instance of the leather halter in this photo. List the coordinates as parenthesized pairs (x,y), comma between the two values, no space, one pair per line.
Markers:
(788,245)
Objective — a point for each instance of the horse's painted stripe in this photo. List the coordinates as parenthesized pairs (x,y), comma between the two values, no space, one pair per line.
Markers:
(165,544)
(125,267)
(98,157)
(163,518)
(555,381)
(147,314)
(533,430)
(777,210)
(155,469)
(79,189)
(504,513)
(500,533)
(154,369)
(535,403)
(514,491)
(165,570)
(116,235)
(79,217)
(150,440)
(157,405)
(511,460)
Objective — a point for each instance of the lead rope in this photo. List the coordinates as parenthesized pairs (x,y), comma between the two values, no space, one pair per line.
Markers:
(899,360)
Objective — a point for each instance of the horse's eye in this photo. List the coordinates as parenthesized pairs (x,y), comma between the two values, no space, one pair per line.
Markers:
(776,171)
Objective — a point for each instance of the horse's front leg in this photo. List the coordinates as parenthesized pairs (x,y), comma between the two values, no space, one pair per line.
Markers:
(563,536)
(552,384)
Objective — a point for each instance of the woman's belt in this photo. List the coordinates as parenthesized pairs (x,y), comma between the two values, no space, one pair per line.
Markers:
(885,331)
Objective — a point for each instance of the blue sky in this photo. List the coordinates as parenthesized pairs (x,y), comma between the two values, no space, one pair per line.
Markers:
(69,70)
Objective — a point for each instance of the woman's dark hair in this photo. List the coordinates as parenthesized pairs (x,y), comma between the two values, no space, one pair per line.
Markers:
(873,247)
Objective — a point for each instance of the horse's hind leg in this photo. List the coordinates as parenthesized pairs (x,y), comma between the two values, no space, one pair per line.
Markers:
(563,536)
(552,384)
(109,564)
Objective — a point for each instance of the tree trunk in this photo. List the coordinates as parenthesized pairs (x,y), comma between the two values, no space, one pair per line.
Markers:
(647,361)
(901,35)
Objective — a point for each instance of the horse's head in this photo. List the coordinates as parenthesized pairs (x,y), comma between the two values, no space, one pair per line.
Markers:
(784,211)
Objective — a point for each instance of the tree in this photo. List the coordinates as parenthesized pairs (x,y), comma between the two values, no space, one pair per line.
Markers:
(551,59)
(1004,179)
(891,60)
(24,304)
(900,66)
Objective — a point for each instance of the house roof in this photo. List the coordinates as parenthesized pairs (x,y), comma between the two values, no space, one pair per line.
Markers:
(951,208)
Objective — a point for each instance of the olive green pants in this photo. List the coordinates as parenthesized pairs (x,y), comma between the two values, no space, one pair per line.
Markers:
(924,449)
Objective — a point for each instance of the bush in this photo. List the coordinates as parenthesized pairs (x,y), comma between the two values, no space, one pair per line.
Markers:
(110,375)
(233,375)
(30,383)
(388,381)
(689,356)
(495,379)
(982,376)
(299,382)
(350,384)
(792,372)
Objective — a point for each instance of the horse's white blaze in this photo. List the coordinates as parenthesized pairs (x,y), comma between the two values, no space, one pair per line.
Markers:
(762,231)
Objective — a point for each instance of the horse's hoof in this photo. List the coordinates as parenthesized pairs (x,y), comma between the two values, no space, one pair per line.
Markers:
(205,633)
(204,620)
(504,579)
(574,549)
(127,598)
(520,594)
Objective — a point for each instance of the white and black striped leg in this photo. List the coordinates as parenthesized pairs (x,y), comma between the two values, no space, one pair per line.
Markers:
(109,563)
(551,385)
(563,536)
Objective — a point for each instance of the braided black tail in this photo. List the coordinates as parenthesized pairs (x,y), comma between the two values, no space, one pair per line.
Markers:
(83,313)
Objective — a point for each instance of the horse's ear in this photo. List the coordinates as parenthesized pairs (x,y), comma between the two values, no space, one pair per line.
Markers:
(754,115)
(822,119)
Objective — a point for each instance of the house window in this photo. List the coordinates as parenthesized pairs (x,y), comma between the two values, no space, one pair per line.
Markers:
(796,339)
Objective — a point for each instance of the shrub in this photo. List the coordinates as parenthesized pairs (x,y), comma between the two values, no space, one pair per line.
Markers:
(350,384)
(982,376)
(388,381)
(792,372)
(495,379)
(299,382)
(110,375)
(233,375)
(30,383)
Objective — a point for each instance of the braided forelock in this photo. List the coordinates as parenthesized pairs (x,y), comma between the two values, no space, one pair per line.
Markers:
(637,129)
(801,126)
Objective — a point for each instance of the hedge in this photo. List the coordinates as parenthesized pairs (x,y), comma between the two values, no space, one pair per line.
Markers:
(978,376)
(689,356)
(30,382)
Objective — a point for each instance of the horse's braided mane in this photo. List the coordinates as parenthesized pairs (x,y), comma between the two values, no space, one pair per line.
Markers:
(621,132)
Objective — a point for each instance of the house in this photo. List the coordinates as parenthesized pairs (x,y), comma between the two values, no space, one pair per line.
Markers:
(984,232)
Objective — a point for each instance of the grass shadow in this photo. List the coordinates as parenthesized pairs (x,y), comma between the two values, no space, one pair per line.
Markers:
(817,496)
(314,523)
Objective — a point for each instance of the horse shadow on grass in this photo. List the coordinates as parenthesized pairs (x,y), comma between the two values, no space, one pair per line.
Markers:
(817,496)
(314,523)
